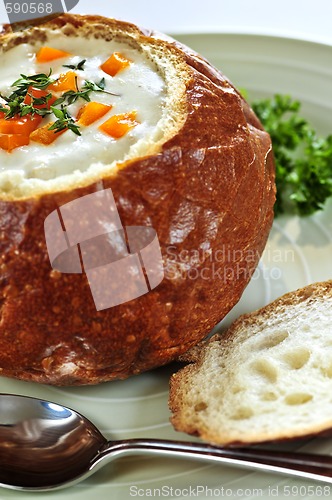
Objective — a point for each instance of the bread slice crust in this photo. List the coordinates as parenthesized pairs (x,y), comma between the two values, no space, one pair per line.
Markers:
(265,332)
(208,185)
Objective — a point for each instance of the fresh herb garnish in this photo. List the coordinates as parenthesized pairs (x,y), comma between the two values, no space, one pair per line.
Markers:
(64,121)
(96,87)
(71,96)
(303,160)
(14,107)
(79,66)
(15,104)
(40,81)
(41,102)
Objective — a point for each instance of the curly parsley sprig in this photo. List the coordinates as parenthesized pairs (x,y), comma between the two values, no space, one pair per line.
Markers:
(303,160)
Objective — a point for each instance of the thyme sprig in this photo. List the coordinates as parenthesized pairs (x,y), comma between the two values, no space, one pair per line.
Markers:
(40,81)
(77,67)
(71,96)
(15,105)
(64,121)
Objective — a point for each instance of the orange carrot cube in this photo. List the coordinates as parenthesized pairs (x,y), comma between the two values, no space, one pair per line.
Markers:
(117,62)
(47,54)
(92,112)
(20,125)
(118,125)
(8,142)
(45,136)
(67,81)
(38,94)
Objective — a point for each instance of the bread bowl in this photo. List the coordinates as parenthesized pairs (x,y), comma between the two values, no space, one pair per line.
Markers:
(198,169)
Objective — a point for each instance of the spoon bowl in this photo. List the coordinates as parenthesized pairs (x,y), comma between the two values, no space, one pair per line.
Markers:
(46,446)
(43,443)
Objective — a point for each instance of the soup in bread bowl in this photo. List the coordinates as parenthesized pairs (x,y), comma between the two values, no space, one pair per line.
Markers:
(91,104)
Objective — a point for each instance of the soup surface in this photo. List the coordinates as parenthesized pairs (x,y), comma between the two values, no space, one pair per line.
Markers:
(101,103)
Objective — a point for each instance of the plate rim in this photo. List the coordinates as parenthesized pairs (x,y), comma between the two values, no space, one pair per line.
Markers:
(255,32)
(104,491)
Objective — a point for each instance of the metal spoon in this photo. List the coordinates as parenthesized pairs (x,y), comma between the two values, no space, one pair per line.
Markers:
(45,446)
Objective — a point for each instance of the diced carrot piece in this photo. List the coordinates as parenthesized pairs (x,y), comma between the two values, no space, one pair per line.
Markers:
(117,62)
(45,136)
(38,94)
(9,142)
(118,125)
(92,112)
(67,81)
(47,54)
(20,125)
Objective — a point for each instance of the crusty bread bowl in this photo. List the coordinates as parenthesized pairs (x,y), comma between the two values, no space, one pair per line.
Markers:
(203,178)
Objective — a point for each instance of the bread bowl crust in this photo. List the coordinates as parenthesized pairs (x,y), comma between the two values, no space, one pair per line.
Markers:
(219,167)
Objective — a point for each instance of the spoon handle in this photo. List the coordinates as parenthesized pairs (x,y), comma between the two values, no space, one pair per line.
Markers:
(304,465)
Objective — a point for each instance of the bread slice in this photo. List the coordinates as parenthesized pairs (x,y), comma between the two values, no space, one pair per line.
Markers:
(269,377)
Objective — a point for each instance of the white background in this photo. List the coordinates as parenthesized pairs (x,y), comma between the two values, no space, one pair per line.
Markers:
(310,19)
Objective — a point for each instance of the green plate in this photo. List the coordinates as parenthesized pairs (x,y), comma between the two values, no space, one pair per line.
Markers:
(298,252)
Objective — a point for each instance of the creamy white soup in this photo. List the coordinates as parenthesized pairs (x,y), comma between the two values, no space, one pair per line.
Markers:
(121,114)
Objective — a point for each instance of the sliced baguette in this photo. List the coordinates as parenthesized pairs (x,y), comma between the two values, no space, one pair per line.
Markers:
(269,377)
